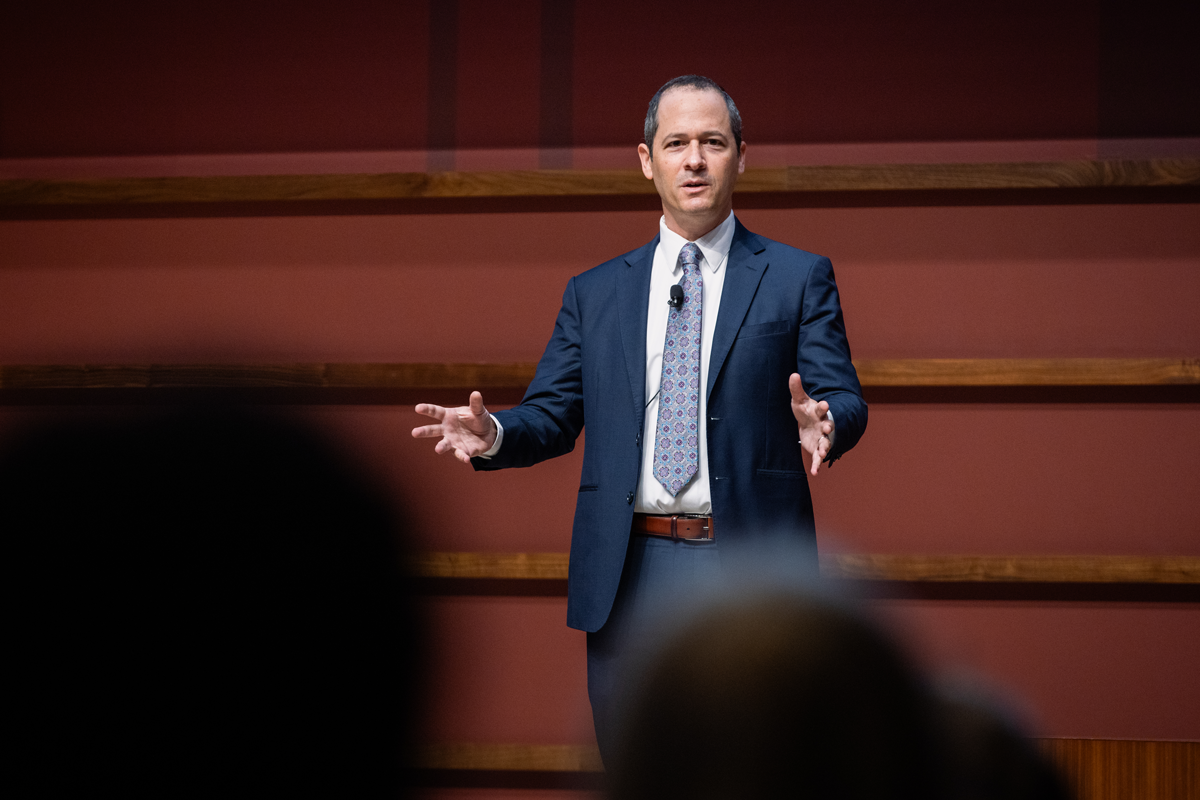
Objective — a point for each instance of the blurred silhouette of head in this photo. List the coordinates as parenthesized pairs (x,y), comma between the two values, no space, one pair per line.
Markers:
(770,692)
(208,601)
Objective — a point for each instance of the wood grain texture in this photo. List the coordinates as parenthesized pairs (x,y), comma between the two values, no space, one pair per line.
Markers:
(866,567)
(1037,175)
(507,757)
(519,566)
(1148,173)
(1024,569)
(1029,372)
(287,188)
(256,376)
(873,373)
(1108,769)
(1096,769)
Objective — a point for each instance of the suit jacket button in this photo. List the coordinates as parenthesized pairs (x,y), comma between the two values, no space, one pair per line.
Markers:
(629,498)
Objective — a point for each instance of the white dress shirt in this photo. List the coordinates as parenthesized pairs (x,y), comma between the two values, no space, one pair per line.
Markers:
(694,497)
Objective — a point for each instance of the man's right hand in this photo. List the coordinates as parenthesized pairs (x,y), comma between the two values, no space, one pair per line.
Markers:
(467,430)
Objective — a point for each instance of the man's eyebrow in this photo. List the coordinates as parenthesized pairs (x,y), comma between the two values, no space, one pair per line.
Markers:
(703,135)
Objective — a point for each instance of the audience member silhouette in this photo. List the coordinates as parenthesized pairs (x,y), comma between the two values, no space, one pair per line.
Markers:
(777,695)
(206,602)
(773,692)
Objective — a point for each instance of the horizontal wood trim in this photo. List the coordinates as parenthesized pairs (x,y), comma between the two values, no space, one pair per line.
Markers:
(1095,769)
(1022,569)
(516,566)
(1111,769)
(885,373)
(1028,372)
(511,757)
(1037,175)
(865,567)
(1141,174)
(263,376)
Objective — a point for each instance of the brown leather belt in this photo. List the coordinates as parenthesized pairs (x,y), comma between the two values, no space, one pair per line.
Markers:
(684,526)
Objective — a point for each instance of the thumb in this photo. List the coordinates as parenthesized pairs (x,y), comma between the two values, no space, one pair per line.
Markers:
(476,404)
(797,389)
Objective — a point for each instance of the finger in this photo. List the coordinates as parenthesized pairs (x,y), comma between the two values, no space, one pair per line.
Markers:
(430,410)
(822,409)
(476,404)
(461,456)
(796,387)
(427,432)
(816,461)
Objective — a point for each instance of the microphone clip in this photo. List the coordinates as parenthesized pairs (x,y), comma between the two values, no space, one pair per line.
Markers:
(676,300)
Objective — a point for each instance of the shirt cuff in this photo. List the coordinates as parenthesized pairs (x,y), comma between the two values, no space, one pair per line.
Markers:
(833,433)
(491,451)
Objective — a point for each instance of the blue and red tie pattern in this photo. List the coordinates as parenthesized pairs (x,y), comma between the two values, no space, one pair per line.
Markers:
(677,438)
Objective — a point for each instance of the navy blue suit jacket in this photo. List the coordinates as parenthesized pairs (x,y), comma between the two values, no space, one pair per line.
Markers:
(779,314)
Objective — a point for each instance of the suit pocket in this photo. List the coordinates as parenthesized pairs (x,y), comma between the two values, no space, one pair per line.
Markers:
(766,329)
(589,487)
(787,474)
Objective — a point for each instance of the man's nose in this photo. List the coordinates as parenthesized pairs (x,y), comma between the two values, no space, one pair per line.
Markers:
(695,156)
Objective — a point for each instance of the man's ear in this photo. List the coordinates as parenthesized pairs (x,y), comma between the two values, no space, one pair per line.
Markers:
(647,161)
(742,159)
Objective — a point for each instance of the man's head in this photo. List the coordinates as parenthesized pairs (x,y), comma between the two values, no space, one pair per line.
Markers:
(698,83)
(693,152)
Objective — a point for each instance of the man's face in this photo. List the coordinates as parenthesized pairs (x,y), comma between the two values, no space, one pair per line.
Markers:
(695,162)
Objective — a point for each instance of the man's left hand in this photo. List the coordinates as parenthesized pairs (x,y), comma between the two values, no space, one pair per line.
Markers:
(815,429)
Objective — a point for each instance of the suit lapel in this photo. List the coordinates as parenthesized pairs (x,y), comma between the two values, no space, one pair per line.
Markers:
(745,269)
(633,297)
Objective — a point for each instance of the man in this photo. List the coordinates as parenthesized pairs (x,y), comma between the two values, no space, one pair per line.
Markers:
(706,338)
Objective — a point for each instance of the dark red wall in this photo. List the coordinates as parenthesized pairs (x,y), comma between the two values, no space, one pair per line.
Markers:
(125,78)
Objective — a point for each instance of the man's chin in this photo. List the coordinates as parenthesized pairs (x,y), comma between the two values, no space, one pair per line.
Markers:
(696,205)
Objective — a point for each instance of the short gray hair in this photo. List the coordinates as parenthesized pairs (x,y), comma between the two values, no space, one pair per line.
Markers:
(700,83)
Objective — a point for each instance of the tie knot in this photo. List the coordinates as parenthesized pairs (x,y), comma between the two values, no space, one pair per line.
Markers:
(689,256)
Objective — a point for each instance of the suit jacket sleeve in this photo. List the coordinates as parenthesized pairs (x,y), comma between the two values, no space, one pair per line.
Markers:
(823,358)
(550,417)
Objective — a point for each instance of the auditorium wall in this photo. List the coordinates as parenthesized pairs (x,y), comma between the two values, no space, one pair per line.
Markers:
(142,89)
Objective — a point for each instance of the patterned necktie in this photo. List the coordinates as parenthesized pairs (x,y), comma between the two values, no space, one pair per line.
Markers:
(677,442)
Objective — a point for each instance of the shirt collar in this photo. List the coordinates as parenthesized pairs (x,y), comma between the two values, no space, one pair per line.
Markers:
(714,245)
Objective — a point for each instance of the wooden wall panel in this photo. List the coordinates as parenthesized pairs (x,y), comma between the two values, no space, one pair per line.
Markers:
(1098,769)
